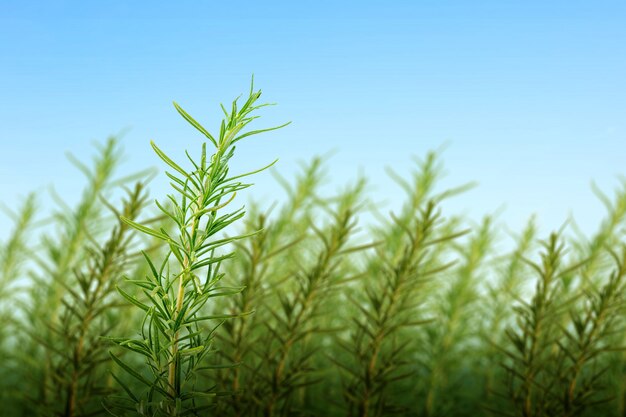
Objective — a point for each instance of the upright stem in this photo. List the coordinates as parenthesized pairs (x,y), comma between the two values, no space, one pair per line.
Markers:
(179,305)
(306,306)
(180,298)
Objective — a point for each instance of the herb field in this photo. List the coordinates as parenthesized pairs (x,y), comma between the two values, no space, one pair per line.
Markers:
(190,304)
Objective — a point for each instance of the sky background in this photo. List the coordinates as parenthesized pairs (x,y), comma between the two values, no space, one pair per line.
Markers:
(530,97)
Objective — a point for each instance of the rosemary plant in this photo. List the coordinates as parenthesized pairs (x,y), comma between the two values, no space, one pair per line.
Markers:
(14,253)
(391,304)
(510,272)
(264,262)
(391,298)
(587,341)
(177,335)
(598,260)
(531,358)
(287,350)
(89,312)
(63,249)
(451,337)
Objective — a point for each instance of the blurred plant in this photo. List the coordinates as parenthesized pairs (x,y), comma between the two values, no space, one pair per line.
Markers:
(554,365)
(582,353)
(62,250)
(286,351)
(509,287)
(391,303)
(89,312)
(14,253)
(264,263)
(390,297)
(448,350)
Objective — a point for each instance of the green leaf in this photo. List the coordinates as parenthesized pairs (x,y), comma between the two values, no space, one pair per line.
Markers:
(172,164)
(195,124)
(256,132)
(137,375)
(191,351)
(146,230)
(132,299)
(125,387)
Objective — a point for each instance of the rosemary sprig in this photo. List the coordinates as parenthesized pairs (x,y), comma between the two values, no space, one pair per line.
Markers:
(176,335)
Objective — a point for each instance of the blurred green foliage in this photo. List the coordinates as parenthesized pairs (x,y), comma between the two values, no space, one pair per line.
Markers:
(299,309)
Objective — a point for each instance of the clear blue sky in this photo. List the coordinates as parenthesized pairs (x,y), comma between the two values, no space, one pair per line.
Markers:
(531,96)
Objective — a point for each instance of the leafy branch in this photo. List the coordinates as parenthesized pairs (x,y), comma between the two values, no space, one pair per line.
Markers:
(176,335)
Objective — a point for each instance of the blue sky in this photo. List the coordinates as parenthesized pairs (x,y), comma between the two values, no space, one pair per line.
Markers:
(529,96)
